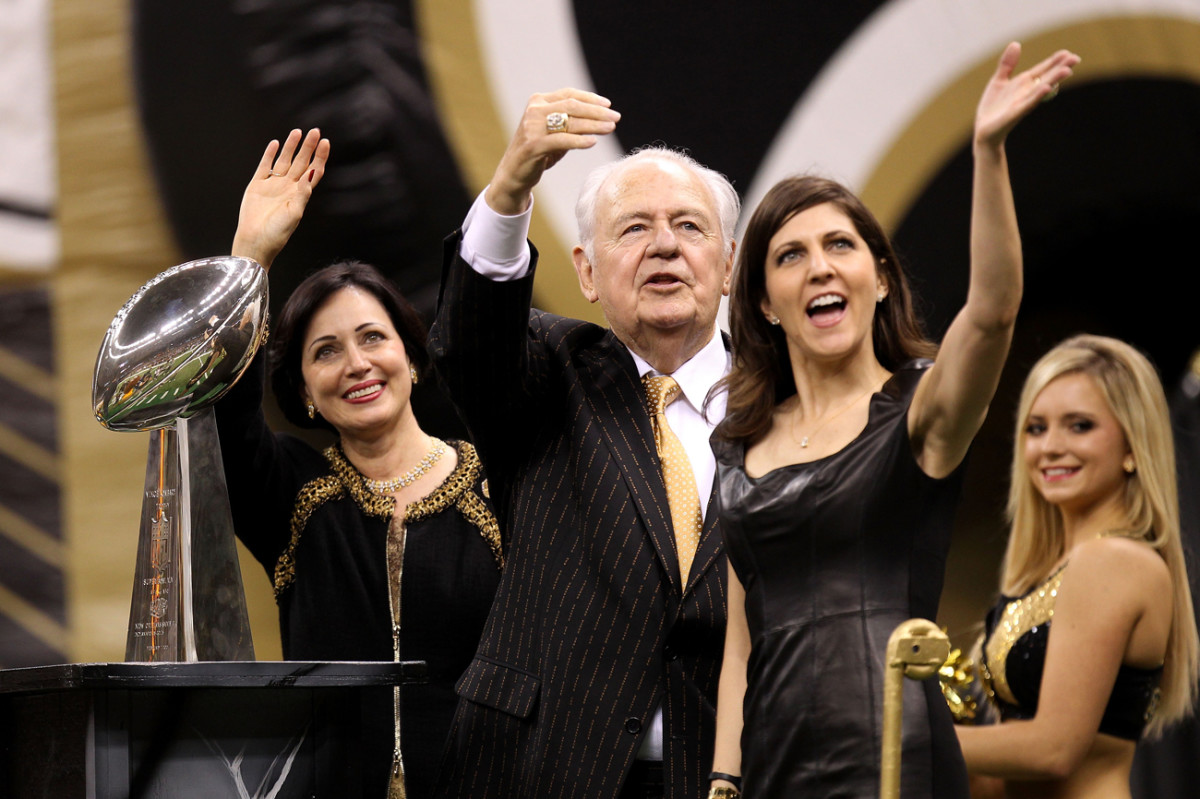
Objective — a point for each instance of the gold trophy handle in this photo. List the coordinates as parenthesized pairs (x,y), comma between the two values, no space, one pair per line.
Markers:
(916,649)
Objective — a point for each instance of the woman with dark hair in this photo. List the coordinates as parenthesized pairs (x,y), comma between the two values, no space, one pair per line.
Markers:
(384,545)
(839,464)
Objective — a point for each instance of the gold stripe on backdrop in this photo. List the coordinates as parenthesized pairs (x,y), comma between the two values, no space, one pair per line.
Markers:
(1111,48)
(114,238)
(459,82)
(29,454)
(29,376)
(31,537)
(32,620)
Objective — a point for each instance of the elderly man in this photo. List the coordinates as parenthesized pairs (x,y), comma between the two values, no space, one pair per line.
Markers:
(597,672)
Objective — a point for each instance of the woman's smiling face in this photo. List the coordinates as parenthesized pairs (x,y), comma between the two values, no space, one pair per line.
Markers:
(355,367)
(1075,449)
(822,283)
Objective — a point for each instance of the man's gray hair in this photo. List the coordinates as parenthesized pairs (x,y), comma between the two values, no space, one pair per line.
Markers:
(724,197)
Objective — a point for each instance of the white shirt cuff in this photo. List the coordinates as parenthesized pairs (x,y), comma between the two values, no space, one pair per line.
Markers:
(494,245)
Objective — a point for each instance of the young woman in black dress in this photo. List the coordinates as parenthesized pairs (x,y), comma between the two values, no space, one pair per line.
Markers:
(838,469)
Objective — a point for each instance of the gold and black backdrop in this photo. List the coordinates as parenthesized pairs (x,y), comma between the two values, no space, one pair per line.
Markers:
(127,131)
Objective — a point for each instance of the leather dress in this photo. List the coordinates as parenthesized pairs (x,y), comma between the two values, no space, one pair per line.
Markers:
(833,555)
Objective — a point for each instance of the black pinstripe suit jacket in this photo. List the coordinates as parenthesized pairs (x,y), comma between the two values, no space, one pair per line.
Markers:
(591,627)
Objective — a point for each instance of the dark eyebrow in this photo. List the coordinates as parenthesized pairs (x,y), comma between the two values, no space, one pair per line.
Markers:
(787,245)
(320,339)
(827,236)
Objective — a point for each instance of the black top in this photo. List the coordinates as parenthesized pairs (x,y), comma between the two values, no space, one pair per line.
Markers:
(308,517)
(1014,657)
(834,554)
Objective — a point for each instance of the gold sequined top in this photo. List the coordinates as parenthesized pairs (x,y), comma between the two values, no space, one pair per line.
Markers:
(1018,617)
(1014,654)
(344,480)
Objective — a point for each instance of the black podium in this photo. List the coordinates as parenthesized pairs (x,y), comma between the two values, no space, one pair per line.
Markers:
(287,730)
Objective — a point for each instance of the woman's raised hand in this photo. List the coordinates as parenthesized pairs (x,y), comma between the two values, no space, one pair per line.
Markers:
(554,123)
(1008,98)
(276,196)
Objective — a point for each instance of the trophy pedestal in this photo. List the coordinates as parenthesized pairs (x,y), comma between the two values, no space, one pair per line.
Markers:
(188,601)
(291,730)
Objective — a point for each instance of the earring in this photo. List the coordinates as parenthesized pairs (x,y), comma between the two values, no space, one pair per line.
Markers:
(773,319)
(879,296)
(412,371)
(1128,465)
(312,409)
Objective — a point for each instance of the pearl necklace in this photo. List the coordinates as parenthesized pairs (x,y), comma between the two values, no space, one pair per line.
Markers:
(436,451)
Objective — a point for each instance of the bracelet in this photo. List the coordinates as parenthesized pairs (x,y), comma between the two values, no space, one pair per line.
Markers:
(720,775)
(724,793)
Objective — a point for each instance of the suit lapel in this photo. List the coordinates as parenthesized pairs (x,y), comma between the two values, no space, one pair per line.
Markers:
(710,541)
(608,379)
(710,538)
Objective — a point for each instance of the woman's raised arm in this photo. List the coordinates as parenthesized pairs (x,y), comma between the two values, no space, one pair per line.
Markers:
(952,400)
(275,198)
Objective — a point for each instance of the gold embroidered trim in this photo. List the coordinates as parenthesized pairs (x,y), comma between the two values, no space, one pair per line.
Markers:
(1019,617)
(475,511)
(380,506)
(311,496)
(455,491)
(394,553)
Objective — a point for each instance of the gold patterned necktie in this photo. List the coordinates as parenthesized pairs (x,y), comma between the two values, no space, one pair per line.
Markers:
(676,471)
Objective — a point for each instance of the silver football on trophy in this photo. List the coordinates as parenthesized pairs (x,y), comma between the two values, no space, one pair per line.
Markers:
(180,343)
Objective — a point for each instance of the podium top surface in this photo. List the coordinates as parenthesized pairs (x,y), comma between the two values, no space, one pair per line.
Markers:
(211,674)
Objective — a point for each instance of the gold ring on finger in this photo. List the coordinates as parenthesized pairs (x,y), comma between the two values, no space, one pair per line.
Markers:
(556,122)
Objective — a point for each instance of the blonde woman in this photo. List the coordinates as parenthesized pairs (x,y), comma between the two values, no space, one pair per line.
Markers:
(1092,645)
